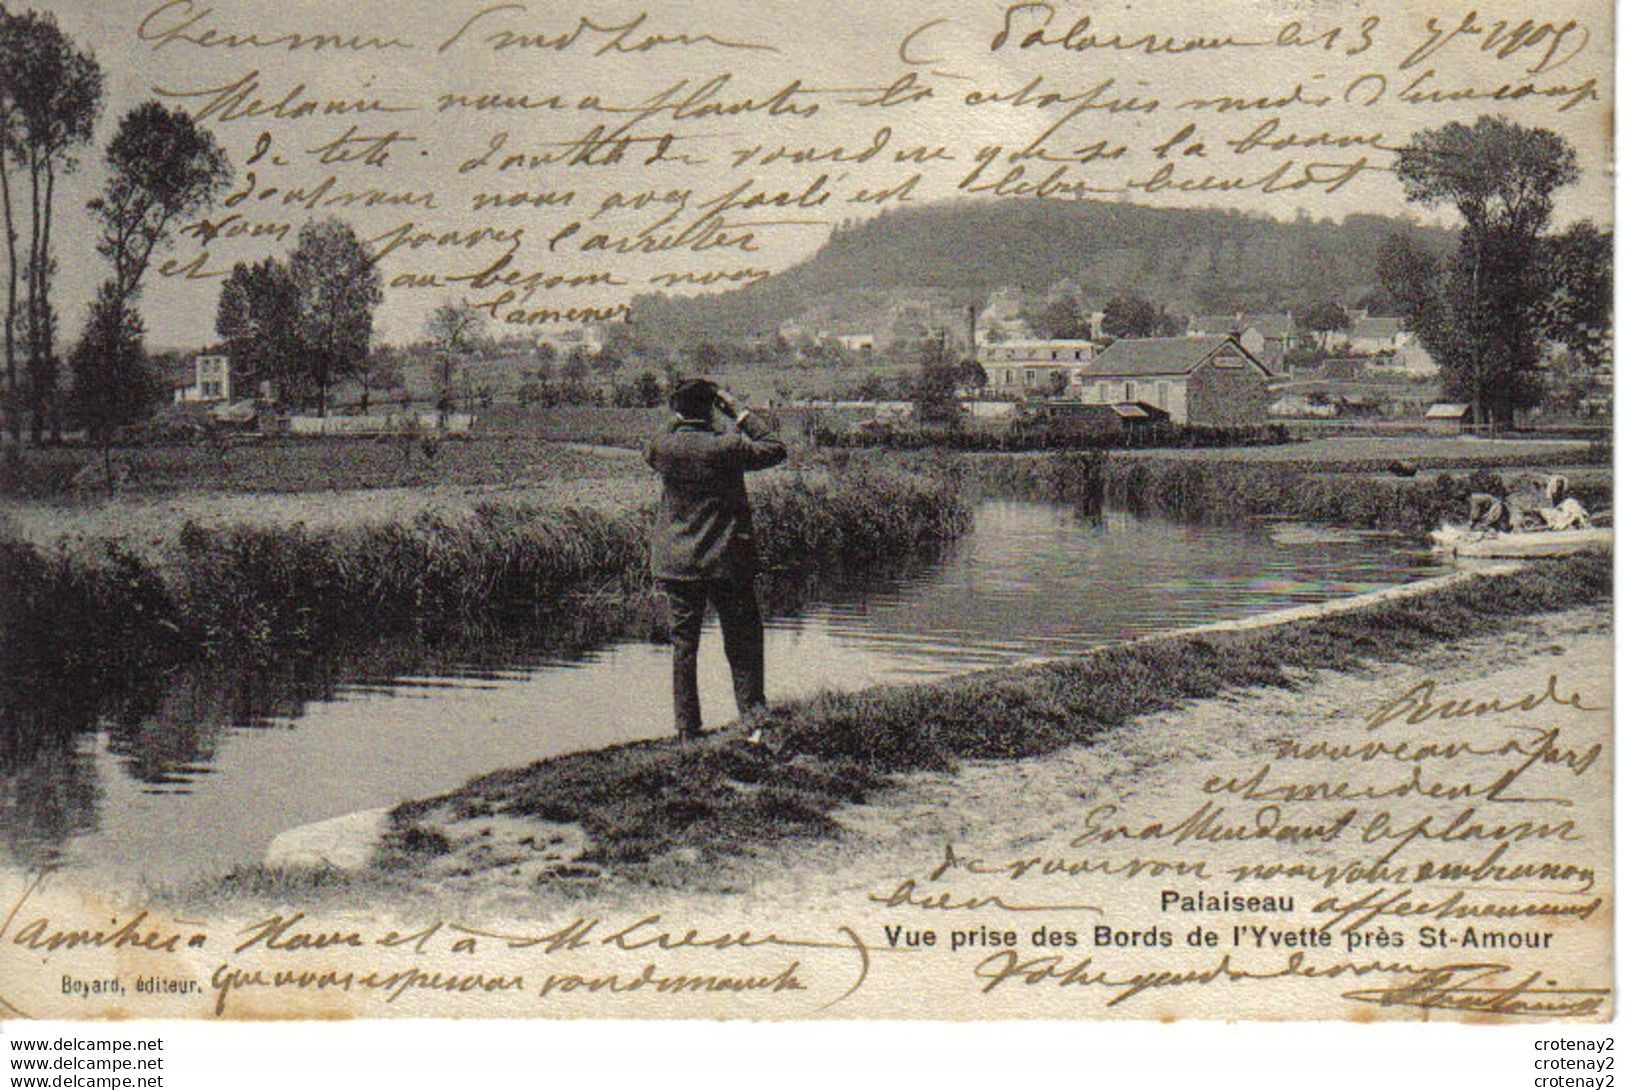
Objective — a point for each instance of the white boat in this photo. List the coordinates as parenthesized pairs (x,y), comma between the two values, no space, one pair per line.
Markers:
(1455,541)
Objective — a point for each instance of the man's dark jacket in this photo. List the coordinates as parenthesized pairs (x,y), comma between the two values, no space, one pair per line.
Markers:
(703,529)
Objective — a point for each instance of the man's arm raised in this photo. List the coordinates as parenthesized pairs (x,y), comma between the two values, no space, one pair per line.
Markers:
(758,446)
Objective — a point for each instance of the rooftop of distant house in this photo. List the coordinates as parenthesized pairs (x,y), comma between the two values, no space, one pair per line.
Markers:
(1270,326)
(1163,356)
(1376,328)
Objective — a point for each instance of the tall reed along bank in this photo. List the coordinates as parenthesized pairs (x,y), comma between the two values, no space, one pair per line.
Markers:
(1363,495)
(93,619)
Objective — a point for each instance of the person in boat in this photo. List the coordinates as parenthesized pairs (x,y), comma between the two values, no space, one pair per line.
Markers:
(1533,503)
(703,545)
(1564,512)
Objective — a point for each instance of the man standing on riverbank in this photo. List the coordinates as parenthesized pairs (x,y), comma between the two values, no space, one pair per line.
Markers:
(703,546)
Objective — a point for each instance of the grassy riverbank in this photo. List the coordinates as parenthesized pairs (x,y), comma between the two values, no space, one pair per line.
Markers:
(1193,489)
(90,615)
(652,808)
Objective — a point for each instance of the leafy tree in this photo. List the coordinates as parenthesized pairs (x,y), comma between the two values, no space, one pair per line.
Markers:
(934,389)
(705,357)
(1378,303)
(50,95)
(111,383)
(1061,320)
(454,330)
(388,368)
(643,392)
(970,375)
(671,372)
(12,139)
(1578,311)
(1323,318)
(1135,316)
(1409,274)
(1302,355)
(258,318)
(575,374)
(339,289)
(872,388)
(1479,314)
(161,168)
(381,370)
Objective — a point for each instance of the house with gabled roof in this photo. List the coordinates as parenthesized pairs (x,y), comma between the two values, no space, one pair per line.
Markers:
(1210,381)
(1267,336)
(1369,336)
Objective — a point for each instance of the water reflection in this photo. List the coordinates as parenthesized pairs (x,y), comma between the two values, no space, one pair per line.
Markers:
(192,772)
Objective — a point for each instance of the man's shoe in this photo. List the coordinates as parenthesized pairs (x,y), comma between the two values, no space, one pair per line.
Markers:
(770,742)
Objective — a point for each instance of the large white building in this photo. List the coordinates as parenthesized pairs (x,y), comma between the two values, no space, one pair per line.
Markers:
(210,381)
(1033,368)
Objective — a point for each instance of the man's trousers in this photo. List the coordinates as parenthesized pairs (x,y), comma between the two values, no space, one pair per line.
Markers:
(735,600)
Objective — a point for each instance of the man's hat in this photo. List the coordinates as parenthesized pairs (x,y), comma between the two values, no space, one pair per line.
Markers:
(693,398)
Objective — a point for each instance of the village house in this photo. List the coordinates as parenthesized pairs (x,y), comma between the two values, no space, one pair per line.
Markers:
(1005,303)
(861,344)
(1409,359)
(1367,336)
(1395,347)
(567,339)
(1301,406)
(1268,337)
(1019,369)
(1333,369)
(1208,381)
(208,381)
(1001,321)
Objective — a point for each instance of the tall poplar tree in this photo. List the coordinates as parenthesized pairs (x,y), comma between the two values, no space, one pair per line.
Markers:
(1479,313)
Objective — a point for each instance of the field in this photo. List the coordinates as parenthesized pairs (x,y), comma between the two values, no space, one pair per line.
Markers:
(300,465)
(503,375)
(513,444)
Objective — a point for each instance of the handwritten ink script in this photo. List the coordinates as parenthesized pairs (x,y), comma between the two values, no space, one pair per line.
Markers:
(1447,842)
(553,165)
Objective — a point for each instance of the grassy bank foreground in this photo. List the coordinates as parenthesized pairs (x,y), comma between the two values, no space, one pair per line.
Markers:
(649,808)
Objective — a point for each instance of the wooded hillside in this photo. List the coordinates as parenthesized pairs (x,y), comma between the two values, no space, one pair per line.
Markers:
(1188,260)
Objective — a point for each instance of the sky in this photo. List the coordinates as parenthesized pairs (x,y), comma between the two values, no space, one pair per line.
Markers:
(1147,97)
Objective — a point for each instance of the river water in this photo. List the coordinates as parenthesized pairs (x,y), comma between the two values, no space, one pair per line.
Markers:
(201,776)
